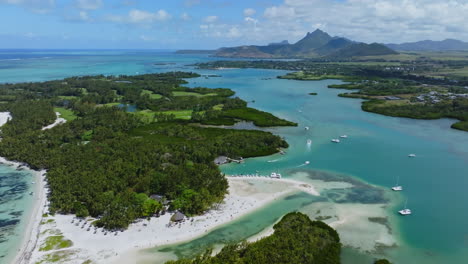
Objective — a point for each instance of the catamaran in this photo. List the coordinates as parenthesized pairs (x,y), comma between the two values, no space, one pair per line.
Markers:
(405,211)
(397,187)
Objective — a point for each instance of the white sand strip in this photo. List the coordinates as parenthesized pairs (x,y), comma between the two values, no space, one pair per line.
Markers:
(58,121)
(31,234)
(246,194)
(4,117)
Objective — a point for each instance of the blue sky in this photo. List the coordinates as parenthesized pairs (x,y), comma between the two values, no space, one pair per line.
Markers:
(174,24)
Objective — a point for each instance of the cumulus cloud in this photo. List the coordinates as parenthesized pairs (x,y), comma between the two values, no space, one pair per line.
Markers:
(210,19)
(136,16)
(89,4)
(375,20)
(248,12)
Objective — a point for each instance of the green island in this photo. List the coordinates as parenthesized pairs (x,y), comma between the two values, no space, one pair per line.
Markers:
(425,85)
(128,138)
(296,239)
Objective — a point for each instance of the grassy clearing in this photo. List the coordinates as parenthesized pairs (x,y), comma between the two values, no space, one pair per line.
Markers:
(55,242)
(218,107)
(69,115)
(57,257)
(181,114)
(151,94)
(71,97)
(147,116)
(180,93)
(112,104)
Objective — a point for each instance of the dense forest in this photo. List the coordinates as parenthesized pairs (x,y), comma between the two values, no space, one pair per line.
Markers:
(106,162)
(296,240)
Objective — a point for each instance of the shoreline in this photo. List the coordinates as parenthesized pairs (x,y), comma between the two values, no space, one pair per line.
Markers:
(244,198)
(31,230)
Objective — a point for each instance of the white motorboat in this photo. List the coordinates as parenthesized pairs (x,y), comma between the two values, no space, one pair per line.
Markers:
(306,128)
(275,175)
(309,141)
(335,140)
(307,162)
(344,136)
(405,212)
(412,155)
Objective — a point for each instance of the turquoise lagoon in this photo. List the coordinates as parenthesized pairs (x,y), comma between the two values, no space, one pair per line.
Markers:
(369,160)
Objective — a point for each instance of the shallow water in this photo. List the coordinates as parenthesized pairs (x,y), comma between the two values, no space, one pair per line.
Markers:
(15,204)
(375,152)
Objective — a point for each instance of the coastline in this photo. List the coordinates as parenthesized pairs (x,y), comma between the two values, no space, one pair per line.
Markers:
(246,195)
(31,231)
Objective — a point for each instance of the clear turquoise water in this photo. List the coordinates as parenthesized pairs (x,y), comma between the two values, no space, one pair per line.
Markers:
(15,204)
(375,152)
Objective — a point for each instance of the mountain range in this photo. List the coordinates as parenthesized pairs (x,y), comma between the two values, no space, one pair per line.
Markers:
(430,45)
(317,44)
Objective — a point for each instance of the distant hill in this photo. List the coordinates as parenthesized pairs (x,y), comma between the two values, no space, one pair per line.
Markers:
(313,45)
(430,45)
(362,49)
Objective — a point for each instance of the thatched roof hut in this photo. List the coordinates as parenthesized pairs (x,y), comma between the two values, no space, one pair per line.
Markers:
(178,217)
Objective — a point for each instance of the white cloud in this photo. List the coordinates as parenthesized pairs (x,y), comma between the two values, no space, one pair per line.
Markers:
(210,19)
(248,12)
(38,6)
(84,16)
(373,20)
(136,16)
(185,17)
(89,4)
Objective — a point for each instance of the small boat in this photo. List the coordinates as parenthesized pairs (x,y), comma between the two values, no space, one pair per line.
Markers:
(309,141)
(412,155)
(335,140)
(306,128)
(405,211)
(397,187)
(307,162)
(275,175)
(344,136)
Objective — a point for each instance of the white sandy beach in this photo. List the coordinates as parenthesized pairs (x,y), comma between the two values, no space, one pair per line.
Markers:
(4,117)
(57,121)
(244,197)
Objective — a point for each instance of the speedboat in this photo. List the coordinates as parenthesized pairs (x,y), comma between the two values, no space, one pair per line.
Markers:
(397,188)
(335,140)
(412,155)
(306,128)
(405,212)
(307,162)
(309,141)
(344,136)
(275,175)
